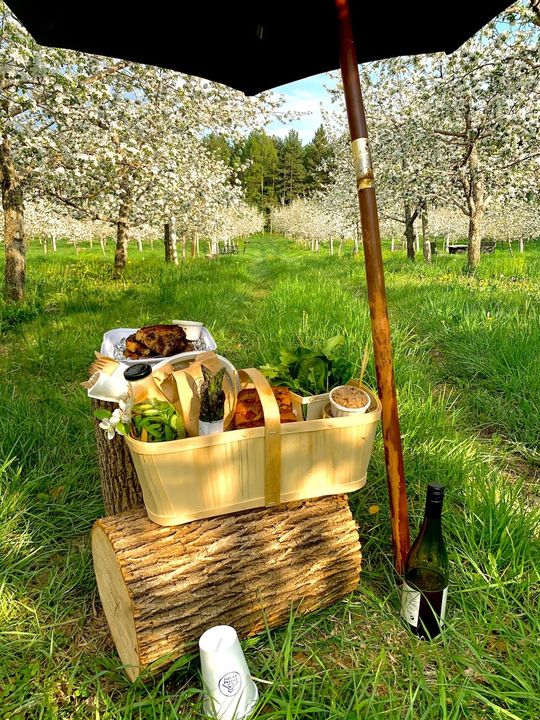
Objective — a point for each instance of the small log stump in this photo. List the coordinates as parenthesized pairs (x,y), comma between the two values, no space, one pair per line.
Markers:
(119,483)
(162,587)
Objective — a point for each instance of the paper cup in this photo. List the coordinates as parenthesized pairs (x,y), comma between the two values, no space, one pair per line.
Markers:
(192,328)
(230,693)
(339,410)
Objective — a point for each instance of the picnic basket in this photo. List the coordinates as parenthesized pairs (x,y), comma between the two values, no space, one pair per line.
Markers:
(205,476)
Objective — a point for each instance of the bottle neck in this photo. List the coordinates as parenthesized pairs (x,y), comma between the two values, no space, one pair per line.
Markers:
(433,511)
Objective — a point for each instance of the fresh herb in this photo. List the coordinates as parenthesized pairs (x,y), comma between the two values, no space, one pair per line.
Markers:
(212,395)
(311,371)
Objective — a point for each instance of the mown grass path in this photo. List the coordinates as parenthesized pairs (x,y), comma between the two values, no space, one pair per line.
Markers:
(467,355)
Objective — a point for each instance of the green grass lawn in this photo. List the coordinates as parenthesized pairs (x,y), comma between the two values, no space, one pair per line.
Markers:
(467,354)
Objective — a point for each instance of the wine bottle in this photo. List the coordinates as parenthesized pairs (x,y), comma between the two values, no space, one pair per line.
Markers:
(425,586)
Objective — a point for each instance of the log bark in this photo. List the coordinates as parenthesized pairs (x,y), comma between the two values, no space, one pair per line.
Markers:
(162,587)
(120,487)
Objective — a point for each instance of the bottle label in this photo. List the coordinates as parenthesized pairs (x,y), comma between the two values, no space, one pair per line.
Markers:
(443,604)
(410,603)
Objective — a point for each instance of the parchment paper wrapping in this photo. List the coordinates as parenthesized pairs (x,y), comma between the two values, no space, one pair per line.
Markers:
(181,387)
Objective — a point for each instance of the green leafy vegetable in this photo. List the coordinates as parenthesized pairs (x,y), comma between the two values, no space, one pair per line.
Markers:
(311,371)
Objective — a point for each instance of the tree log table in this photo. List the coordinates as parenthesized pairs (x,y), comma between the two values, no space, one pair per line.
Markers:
(120,486)
(162,587)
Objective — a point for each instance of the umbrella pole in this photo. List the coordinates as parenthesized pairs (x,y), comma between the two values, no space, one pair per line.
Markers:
(380,326)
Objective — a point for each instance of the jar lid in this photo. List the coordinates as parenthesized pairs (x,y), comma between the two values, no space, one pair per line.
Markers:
(137,372)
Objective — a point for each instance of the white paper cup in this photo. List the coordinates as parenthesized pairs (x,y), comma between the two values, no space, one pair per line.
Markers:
(192,328)
(230,693)
(339,410)
(110,388)
(210,428)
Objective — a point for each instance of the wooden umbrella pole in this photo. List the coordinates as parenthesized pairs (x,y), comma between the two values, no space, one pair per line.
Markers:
(380,326)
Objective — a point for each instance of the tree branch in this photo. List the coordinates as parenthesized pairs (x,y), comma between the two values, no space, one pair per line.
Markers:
(117,67)
(449,133)
(520,160)
(79,208)
(535,7)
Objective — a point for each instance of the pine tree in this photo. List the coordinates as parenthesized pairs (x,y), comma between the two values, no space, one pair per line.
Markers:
(319,162)
(218,145)
(292,173)
(259,178)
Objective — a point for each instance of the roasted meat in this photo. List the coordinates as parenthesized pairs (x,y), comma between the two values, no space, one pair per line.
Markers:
(136,350)
(163,340)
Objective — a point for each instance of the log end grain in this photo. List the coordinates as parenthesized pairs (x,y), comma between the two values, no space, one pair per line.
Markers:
(116,601)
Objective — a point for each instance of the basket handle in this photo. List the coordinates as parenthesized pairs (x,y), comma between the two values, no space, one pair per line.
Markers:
(272,434)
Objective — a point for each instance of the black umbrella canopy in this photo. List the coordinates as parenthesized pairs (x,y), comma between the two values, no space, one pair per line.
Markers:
(251,46)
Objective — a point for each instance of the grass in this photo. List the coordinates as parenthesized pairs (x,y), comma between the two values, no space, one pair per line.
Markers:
(466,349)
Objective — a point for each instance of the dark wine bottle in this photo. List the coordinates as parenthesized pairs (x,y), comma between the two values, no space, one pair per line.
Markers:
(425,586)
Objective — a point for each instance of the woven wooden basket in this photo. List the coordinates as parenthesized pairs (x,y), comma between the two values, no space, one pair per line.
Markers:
(200,477)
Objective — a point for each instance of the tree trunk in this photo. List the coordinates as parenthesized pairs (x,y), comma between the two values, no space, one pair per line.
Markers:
(331,246)
(139,243)
(475,203)
(171,254)
(409,230)
(521,245)
(475,238)
(161,587)
(426,245)
(183,243)
(15,249)
(122,233)
(120,487)
(53,242)
(167,242)
(356,246)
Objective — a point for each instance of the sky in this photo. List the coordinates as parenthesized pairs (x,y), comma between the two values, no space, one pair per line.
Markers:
(304,96)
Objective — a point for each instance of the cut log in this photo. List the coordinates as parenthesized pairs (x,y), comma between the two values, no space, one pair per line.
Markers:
(162,587)
(119,484)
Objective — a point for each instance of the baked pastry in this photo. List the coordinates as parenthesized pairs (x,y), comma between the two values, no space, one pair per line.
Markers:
(249,413)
